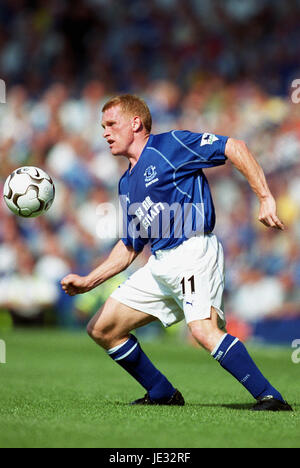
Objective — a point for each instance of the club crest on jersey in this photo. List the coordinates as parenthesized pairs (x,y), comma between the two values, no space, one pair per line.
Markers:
(208,139)
(150,175)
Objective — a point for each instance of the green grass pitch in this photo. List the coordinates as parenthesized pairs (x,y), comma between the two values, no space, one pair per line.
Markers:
(58,389)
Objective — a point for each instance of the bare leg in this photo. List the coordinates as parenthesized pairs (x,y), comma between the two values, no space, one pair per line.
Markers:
(113,323)
(206,332)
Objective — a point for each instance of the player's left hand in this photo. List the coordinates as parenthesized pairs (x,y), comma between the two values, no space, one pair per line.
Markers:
(267,214)
(75,284)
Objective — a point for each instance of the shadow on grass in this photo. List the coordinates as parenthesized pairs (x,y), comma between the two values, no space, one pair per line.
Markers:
(239,406)
(234,406)
(242,406)
(250,406)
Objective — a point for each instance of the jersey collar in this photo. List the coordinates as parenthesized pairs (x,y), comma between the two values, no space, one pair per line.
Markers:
(131,171)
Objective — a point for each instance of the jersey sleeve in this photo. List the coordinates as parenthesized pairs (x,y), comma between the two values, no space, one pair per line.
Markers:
(130,239)
(199,150)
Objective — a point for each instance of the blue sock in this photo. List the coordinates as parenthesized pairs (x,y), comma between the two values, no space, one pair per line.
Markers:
(132,358)
(234,357)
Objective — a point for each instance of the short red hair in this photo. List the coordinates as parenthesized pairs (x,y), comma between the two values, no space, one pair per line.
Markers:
(133,106)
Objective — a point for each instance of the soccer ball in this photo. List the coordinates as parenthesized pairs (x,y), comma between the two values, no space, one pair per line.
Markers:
(29,192)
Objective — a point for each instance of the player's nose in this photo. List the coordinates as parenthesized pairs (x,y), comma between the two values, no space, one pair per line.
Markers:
(106,133)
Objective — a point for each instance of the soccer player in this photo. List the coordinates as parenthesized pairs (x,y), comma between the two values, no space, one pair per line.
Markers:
(166,200)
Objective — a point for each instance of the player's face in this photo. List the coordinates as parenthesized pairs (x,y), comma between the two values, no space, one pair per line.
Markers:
(118,130)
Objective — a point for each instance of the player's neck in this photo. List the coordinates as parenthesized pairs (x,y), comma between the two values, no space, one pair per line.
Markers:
(136,149)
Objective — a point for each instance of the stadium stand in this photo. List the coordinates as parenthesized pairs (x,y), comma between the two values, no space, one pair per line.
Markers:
(197,70)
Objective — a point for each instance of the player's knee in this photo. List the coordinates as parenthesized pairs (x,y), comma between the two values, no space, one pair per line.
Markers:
(101,335)
(204,333)
(201,338)
(91,331)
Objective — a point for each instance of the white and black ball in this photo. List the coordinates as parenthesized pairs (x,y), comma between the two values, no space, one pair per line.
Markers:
(29,192)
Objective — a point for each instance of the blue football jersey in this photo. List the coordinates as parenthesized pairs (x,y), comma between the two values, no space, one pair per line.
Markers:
(165,197)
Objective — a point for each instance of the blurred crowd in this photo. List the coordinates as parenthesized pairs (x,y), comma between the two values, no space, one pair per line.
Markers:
(129,43)
(196,69)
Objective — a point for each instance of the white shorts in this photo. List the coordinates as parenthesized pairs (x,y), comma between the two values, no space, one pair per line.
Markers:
(183,282)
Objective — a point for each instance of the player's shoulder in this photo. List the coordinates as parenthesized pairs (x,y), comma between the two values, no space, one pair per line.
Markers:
(172,134)
(172,137)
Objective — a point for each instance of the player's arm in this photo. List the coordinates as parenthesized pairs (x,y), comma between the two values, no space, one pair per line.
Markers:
(119,259)
(240,156)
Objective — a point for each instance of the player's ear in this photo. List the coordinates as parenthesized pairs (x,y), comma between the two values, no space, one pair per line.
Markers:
(136,124)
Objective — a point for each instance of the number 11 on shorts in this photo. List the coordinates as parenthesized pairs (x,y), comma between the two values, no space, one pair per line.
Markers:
(196,297)
(190,280)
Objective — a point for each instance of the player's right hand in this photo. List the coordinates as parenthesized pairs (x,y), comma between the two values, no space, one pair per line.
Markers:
(75,284)
(267,214)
